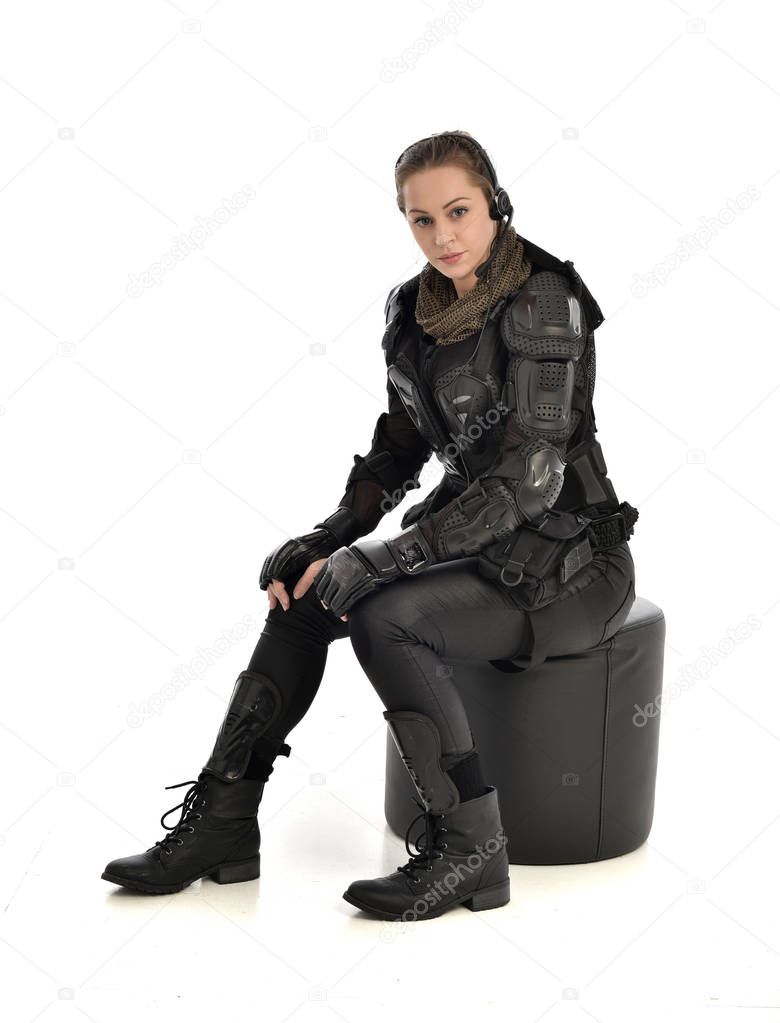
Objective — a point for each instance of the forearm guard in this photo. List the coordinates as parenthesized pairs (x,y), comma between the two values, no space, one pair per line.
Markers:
(352,572)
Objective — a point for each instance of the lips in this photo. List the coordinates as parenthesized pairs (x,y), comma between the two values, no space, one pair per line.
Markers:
(450,256)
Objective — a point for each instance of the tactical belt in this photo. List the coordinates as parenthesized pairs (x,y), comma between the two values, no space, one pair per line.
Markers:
(554,550)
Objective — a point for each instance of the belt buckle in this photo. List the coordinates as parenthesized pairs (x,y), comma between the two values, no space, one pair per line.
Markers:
(609,530)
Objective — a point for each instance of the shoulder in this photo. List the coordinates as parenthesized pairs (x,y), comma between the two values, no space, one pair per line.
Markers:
(545,317)
(392,302)
(400,300)
(400,296)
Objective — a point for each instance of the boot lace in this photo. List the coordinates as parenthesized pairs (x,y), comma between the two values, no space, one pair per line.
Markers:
(427,846)
(192,801)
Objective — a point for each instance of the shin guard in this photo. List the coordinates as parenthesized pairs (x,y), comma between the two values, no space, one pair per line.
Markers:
(254,707)
(419,744)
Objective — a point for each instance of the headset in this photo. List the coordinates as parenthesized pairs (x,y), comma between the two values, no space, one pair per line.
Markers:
(500,205)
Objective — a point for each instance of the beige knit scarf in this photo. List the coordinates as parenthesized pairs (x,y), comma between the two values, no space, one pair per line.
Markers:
(448,318)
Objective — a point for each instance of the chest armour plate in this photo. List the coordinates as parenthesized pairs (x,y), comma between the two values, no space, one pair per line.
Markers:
(471,408)
(460,413)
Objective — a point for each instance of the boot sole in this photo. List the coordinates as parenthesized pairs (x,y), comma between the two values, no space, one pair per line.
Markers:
(483,898)
(225,873)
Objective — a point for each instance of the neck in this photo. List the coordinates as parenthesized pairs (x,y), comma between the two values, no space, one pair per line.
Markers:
(464,287)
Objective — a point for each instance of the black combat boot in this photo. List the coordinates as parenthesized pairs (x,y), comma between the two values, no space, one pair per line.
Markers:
(217,834)
(470,868)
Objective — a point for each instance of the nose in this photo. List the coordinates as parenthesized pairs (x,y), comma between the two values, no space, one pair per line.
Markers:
(443,236)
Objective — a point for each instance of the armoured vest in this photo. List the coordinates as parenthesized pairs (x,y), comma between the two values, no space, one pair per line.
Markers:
(461,412)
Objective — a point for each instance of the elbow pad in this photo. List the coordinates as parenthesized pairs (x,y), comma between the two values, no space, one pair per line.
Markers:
(484,512)
(536,479)
(494,506)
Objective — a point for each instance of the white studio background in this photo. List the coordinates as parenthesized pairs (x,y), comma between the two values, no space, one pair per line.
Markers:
(158,441)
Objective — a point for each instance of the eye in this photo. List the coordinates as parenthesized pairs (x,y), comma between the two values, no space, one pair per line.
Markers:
(455,209)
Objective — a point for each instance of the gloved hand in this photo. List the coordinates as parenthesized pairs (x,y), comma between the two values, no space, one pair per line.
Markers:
(297,553)
(352,572)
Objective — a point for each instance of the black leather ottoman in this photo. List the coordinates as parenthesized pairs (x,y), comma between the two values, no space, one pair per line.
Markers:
(571,745)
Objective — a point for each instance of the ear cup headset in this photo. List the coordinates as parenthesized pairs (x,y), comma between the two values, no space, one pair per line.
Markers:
(499,207)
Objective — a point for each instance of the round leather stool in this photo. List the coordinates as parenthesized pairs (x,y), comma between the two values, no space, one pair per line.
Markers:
(571,745)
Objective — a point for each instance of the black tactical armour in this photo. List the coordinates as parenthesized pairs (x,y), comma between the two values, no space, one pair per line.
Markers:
(511,419)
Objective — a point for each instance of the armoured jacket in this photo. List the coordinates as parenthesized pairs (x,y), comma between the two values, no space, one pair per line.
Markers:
(509,415)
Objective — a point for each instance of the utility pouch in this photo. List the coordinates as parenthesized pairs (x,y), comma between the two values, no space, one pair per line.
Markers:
(539,558)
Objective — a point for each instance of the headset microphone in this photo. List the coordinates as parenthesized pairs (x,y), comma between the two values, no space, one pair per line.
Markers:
(482,268)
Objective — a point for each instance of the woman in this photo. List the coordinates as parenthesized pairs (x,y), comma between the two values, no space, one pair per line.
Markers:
(520,551)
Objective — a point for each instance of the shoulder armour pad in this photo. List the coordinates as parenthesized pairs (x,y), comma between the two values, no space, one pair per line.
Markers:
(393,302)
(393,317)
(545,318)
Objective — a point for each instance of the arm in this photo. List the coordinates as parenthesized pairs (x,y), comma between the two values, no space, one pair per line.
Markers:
(380,479)
(377,482)
(544,330)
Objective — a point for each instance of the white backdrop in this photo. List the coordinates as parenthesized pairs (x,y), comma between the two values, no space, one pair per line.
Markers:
(199,231)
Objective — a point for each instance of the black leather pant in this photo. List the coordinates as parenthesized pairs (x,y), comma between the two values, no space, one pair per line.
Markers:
(401,630)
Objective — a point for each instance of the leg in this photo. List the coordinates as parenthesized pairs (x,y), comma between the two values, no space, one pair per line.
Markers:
(400,634)
(292,650)
(401,631)
(470,868)
(217,834)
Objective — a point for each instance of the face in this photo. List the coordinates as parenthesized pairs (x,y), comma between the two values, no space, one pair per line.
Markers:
(447,214)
